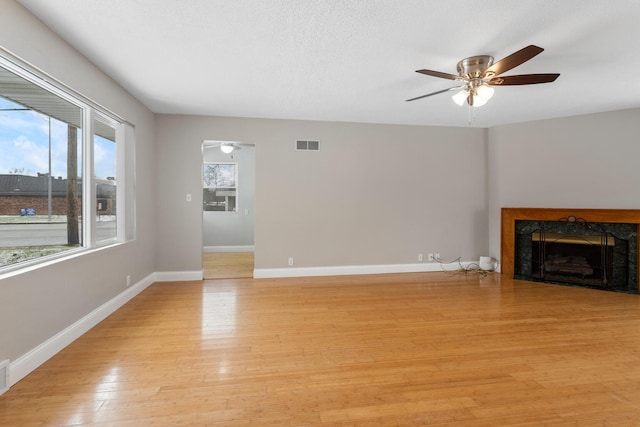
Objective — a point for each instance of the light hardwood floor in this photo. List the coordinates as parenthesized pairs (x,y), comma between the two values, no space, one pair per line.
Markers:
(386,350)
(227,265)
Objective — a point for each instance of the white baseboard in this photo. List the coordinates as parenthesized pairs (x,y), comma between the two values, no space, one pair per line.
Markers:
(177,276)
(29,361)
(267,273)
(237,248)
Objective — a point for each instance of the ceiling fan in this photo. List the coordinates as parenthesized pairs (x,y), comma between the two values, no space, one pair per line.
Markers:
(225,147)
(479,74)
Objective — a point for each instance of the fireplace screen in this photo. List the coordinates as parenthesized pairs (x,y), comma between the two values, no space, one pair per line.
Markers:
(572,251)
(575,258)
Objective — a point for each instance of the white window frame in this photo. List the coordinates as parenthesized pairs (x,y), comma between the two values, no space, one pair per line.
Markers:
(235,180)
(125,166)
(92,207)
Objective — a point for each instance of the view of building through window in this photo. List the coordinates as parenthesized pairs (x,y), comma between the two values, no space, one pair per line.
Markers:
(219,187)
(42,186)
(104,167)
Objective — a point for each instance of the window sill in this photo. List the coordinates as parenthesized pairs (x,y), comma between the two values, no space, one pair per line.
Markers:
(36,264)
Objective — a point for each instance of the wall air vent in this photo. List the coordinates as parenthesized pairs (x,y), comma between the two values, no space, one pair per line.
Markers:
(306,145)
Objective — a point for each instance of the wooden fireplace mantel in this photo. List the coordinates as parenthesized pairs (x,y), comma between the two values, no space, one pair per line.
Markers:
(509,216)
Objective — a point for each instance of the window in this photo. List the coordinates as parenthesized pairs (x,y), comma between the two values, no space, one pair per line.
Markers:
(219,187)
(59,160)
(104,171)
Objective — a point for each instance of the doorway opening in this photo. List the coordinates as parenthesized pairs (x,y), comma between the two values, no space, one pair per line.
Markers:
(228,200)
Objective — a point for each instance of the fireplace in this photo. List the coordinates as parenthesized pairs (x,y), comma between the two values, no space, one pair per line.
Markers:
(593,248)
(573,251)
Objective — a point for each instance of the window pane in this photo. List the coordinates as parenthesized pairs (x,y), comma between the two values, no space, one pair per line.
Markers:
(104,168)
(219,187)
(40,164)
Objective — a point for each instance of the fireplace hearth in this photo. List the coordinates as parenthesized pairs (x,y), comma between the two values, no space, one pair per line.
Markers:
(594,248)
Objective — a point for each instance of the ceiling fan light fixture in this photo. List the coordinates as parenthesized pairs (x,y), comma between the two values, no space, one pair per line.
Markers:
(460,97)
(478,101)
(226,148)
(483,94)
(476,97)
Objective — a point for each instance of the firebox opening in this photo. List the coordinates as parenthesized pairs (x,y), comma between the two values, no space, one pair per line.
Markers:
(595,255)
(573,258)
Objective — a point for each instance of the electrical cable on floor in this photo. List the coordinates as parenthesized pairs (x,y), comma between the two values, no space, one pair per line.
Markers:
(462,269)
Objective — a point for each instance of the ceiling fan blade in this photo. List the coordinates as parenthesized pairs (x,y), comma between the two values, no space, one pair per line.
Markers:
(513,60)
(218,144)
(439,74)
(523,79)
(436,93)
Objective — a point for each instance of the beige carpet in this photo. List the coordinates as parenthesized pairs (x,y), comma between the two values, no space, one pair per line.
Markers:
(227,265)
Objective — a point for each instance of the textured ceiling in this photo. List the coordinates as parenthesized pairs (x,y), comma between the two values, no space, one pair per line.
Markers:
(354,60)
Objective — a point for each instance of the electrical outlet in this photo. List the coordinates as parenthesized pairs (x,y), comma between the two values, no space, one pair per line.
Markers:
(437,257)
(419,257)
(430,259)
(128,280)
(291,262)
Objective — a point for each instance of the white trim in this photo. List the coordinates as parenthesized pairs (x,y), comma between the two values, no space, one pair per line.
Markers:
(236,248)
(28,362)
(38,263)
(5,367)
(178,276)
(16,64)
(265,273)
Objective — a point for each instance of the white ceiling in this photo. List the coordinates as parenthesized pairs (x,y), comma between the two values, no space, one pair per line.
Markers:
(354,60)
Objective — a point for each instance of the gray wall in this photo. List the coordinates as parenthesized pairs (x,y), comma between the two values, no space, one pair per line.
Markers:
(373,194)
(228,229)
(588,161)
(36,305)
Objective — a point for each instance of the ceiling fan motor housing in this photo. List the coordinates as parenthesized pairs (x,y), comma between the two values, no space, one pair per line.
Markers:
(474,66)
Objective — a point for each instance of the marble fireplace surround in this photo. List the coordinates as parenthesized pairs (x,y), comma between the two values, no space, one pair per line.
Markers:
(509,216)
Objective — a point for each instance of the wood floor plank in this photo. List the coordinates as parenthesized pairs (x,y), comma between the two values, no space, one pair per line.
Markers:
(384,350)
(227,265)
